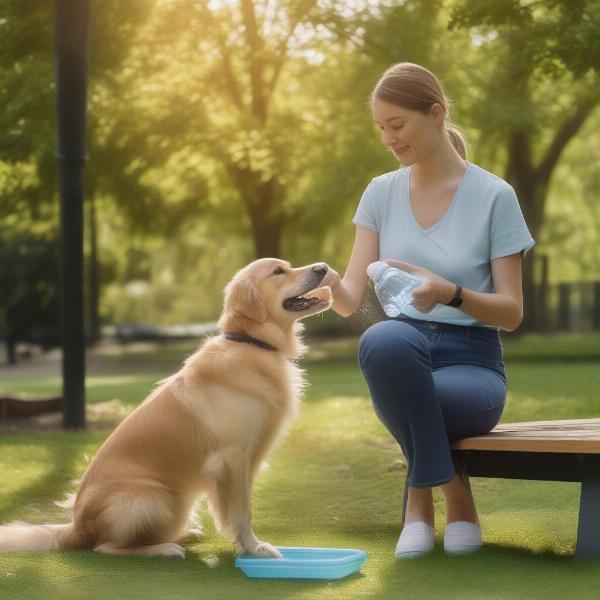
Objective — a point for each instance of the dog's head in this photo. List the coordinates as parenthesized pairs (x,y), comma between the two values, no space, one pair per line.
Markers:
(269,289)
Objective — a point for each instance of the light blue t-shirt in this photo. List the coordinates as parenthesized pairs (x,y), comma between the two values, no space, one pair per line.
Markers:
(484,222)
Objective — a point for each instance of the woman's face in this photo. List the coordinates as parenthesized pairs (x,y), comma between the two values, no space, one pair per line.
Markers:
(410,134)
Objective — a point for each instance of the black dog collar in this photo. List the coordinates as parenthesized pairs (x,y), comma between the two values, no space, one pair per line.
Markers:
(243,337)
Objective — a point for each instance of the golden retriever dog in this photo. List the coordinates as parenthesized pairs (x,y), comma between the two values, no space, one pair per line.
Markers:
(204,430)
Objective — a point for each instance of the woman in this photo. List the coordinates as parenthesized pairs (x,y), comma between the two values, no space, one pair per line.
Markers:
(436,372)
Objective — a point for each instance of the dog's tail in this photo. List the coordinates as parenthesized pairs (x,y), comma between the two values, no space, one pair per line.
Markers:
(23,537)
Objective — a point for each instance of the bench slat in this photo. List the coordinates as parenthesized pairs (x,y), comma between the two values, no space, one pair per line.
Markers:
(571,435)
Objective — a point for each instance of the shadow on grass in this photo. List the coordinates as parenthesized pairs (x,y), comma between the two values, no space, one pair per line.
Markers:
(496,571)
(64,454)
(86,574)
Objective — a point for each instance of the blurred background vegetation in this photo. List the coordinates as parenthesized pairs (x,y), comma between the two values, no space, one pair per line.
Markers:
(221,131)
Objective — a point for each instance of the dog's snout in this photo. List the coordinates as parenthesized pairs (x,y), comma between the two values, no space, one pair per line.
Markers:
(320,269)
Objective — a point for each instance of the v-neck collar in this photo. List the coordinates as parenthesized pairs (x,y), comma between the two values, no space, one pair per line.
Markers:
(450,208)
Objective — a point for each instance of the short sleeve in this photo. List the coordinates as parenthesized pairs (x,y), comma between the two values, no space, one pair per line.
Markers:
(508,231)
(366,214)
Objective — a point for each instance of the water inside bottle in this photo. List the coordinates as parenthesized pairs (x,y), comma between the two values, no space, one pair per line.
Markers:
(393,287)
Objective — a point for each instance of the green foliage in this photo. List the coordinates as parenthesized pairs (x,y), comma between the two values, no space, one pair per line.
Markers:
(205,141)
(553,34)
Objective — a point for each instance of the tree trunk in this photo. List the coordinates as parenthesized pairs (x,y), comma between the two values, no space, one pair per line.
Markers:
(532,195)
(11,350)
(267,221)
(93,274)
(530,313)
(262,200)
(267,239)
(531,183)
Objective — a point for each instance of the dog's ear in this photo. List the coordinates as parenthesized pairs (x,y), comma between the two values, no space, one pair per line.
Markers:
(243,297)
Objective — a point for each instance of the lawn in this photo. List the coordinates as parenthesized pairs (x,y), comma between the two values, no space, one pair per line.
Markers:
(335,480)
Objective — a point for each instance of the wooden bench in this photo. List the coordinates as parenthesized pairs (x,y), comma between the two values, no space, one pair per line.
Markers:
(540,450)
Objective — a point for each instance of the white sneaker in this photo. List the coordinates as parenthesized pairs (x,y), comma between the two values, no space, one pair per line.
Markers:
(417,538)
(462,536)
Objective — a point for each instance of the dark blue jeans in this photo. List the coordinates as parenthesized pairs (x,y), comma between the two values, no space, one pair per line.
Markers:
(432,383)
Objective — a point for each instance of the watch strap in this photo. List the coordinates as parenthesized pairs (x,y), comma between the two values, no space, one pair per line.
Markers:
(457,300)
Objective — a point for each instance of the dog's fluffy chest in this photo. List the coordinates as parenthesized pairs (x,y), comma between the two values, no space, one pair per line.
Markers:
(244,405)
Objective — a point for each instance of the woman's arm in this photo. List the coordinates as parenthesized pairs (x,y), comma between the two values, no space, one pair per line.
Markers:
(502,308)
(349,293)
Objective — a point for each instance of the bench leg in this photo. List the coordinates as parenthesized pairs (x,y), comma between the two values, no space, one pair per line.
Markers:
(460,466)
(588,529)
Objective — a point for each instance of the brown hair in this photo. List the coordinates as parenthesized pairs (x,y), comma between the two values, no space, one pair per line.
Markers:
(414,87)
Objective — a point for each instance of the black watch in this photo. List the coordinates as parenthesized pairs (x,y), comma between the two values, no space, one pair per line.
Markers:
(457,300)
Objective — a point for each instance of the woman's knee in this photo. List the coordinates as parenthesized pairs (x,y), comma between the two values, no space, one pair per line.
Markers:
(383,344)
(472,399)
(487,419)
(367,340)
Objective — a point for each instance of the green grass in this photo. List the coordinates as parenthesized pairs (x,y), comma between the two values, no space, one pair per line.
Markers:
(333,481)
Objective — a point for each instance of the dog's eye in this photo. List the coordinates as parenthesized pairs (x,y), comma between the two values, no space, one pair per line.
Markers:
(278,271)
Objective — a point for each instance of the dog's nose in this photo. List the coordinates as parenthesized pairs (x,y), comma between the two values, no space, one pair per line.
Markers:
(320,269)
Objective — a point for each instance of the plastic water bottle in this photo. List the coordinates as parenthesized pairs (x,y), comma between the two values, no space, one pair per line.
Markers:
(393,287)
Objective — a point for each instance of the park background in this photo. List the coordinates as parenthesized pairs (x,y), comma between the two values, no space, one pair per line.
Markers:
(223,131)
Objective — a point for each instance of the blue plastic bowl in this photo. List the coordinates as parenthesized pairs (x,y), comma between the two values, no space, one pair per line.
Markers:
(304,563)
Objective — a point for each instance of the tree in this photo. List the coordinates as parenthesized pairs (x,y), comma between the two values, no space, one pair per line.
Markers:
(543,86)
(233,74)
(29,290)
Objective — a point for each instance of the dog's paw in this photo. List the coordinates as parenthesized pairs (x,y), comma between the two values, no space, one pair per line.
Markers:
(194,532)
(265,550)
(172,550)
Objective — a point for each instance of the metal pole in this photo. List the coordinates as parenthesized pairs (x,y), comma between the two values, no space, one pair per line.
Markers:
(71,48)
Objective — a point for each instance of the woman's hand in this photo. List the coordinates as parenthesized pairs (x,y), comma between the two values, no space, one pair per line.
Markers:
(432,290)
(331,279)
